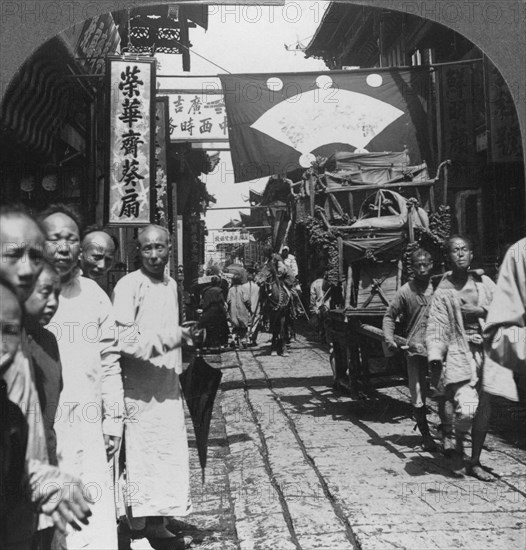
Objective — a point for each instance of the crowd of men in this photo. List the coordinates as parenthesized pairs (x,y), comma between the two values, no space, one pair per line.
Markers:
(75,368)
(85,379)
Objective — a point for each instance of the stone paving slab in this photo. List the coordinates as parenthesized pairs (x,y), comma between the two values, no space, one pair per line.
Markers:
(292,465)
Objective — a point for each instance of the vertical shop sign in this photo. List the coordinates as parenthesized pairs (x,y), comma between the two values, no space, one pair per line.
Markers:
(163,196)
(503,124)
(457,121)
(131,157)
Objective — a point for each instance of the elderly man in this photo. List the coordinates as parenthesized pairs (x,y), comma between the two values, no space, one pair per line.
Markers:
(89,427)
(97,254)
(147,316)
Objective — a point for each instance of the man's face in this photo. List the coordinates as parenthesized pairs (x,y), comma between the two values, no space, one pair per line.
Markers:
(460,254)
(422,266)
(43,302)
(21,258)
(154,249)
(98,254)
(10,326)
(62,243)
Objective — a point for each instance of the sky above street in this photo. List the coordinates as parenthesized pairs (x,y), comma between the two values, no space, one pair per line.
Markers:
(245,39)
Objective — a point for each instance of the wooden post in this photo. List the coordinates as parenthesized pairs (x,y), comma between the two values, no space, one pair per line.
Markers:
(410,226)
(351,204)
(348,287)
(340,258)
(312,187)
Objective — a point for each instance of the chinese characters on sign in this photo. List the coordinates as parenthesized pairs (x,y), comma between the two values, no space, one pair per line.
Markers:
(504,129)
(197,115)
(458,112)
(231,237)
(131,155)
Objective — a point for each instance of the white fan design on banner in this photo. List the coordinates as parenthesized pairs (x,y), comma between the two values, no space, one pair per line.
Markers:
(327,115)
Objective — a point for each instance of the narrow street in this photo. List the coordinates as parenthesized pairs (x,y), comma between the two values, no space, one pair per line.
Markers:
(294,466)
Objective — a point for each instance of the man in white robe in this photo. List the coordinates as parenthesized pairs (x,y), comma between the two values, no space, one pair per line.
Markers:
(505,330)
(90,412)
(156,448)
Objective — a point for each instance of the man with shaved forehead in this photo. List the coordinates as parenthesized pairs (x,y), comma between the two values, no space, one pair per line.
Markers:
(147,317)
(90,425)
(97,255)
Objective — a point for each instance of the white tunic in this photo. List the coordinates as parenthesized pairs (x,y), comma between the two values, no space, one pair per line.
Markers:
(157,468)
(91,402)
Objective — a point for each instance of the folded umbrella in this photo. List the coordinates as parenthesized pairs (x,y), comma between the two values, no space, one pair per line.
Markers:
(200,383)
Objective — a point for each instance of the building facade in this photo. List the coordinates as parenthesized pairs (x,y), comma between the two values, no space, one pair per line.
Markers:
(471,116)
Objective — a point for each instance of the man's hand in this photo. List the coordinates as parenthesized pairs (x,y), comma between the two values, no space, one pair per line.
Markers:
(476,339)
(72,507)
(112,444)
(60,495)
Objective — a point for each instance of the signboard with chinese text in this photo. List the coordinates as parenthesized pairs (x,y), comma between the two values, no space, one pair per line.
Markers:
(197,115)
(131,125)
(503,123)
(231,237)
(163,196)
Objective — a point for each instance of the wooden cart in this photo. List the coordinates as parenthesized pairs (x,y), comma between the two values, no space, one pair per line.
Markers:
(371,253)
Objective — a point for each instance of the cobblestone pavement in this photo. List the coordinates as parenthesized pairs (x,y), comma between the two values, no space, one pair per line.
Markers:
(292,465)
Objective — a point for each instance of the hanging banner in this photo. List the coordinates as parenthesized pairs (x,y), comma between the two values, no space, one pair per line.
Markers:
(197,115)
(163,196)
(276,121)
(130,178)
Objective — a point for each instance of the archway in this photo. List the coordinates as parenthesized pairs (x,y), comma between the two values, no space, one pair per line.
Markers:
(479,22)
(498,29)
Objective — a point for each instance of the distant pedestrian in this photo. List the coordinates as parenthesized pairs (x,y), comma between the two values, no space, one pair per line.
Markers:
(255,307)
(215,271)
(320,304)
(214,316)
(253,291)
(239,310)
(410,305)
(289,260)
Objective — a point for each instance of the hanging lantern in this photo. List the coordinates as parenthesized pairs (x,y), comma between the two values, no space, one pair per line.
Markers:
(50,182)
(27,184)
